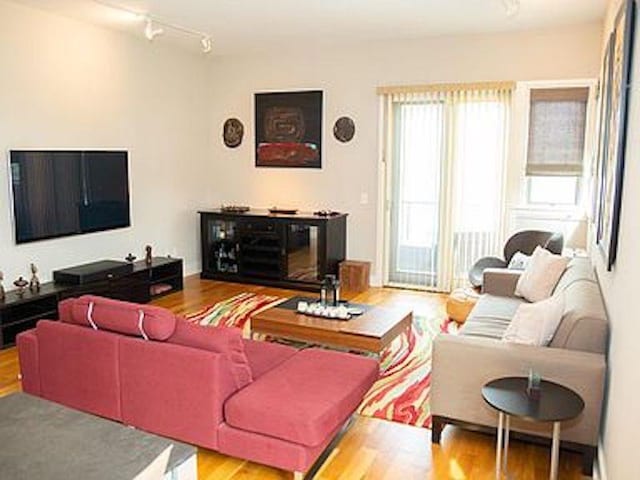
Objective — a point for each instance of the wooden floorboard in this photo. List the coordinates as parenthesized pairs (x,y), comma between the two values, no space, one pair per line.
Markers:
(371,449)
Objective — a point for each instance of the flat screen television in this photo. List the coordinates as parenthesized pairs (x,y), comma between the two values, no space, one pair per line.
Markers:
(60,193)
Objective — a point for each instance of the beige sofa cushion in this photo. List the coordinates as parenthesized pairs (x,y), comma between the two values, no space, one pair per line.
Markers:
(491,316)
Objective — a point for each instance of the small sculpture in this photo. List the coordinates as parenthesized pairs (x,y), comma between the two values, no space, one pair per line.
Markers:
(2,293)
(148,259)
(20,284)
(344,129)
(232,132)
(130,258)
(34,284)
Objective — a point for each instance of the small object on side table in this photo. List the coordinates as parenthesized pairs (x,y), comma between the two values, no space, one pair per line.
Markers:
(20,284)
(130,258)
(2,292)
(148,257)
(34,283)
(460,303)
(533,386)
(555,404)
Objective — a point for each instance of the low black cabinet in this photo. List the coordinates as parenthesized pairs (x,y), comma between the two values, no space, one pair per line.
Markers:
(291,251)
(141,284)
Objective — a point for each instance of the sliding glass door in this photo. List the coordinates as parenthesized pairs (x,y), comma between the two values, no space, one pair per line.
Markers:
(445,184)
(415,195)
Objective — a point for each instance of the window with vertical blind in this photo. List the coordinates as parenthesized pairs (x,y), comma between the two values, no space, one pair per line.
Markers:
(445,153)
(557,126)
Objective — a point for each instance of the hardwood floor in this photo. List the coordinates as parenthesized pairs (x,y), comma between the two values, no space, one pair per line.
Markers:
(371,449)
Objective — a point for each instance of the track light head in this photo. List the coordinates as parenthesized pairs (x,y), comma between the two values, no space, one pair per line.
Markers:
(150,31)
(206,44)
(511,7)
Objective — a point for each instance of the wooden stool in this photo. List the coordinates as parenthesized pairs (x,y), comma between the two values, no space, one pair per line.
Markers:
(460,303)
(354,276)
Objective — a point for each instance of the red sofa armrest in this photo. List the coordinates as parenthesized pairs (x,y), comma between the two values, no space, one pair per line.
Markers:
(27,343)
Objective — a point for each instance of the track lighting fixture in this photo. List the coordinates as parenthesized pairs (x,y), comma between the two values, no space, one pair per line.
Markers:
(154,26)
(511,7)
(151,31)
(206,44)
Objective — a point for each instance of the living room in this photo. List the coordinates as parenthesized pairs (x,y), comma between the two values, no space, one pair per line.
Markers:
(161,80)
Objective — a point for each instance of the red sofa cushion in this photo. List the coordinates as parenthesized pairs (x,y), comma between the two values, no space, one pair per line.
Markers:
(227,341)
(117,316)
(265,356)
(305,398)
(79,368)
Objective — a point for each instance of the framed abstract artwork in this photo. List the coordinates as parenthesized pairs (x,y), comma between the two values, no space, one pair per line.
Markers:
(288,129)
(614,98)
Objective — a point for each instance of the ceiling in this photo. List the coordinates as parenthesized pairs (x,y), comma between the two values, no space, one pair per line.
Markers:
(238,26)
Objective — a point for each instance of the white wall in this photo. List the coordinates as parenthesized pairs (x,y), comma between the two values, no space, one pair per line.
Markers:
(69,84)
(349,77)
(621,432)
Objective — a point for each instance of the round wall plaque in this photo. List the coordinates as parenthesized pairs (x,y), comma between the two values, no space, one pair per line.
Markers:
(344,129)
(232,132)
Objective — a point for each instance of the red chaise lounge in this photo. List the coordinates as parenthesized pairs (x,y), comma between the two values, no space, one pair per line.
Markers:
(143,366)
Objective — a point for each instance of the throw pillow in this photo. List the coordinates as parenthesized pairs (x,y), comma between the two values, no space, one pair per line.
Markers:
(541,275)
(519,261)
(536,323)
(148,321)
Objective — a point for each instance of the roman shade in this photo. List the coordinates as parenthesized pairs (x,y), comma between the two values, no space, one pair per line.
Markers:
(557,123)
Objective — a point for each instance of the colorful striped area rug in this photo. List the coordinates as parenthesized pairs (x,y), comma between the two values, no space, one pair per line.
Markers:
(402,392)
(234,312)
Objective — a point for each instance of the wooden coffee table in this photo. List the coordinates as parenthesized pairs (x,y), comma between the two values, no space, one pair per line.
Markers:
(371,332)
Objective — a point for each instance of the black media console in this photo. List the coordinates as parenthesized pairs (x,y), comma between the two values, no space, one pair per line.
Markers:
(133,282)
(282,250)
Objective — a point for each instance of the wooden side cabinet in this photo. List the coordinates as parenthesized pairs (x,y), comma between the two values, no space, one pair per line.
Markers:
(354,276)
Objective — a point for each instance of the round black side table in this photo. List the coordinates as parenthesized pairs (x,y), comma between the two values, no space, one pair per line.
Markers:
(555,404)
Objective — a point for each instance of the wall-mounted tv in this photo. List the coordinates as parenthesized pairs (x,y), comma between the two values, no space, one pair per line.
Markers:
(60,193)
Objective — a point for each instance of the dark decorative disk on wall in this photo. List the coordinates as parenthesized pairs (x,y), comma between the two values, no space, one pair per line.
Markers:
(233,131)
(344,129)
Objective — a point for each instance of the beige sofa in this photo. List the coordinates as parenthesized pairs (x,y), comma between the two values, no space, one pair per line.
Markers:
(463,363)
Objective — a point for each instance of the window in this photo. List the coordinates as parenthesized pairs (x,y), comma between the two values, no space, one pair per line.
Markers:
(556,145)
(561,191)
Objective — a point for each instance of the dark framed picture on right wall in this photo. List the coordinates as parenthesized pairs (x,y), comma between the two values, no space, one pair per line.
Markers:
(615,83)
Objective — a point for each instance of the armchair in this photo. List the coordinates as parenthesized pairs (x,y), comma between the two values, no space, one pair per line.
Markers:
(526,242)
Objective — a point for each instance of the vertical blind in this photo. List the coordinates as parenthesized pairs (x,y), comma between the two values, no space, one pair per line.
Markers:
(557,125)
(445,151)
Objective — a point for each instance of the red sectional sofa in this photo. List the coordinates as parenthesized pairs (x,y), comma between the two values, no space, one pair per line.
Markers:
(143,366)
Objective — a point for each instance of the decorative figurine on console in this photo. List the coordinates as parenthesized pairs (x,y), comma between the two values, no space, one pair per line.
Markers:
(34,284)
(148,259)
(20,284)
(2,293)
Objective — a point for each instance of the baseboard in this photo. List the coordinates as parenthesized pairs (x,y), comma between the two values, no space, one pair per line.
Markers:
(600,467)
